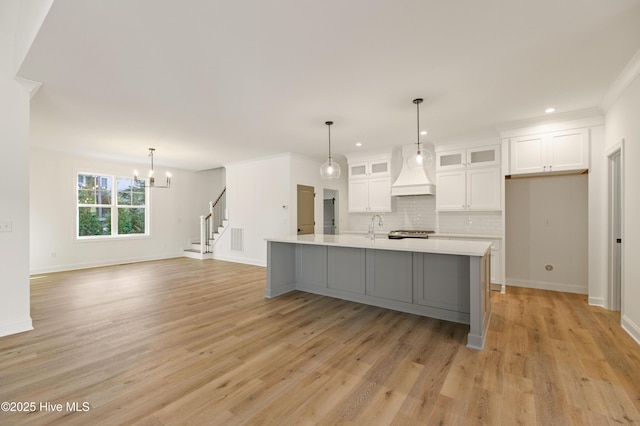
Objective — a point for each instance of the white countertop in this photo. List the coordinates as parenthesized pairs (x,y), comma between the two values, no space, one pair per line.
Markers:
(436,235)
(471,236)
(455,247)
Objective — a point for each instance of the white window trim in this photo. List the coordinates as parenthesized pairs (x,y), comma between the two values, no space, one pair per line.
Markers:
(113,206)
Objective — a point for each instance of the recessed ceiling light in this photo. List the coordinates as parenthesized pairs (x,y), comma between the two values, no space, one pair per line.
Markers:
(550,110)
(358,144)
(424,132)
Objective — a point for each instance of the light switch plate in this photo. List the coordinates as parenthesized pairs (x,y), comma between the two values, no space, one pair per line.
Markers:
(6,227)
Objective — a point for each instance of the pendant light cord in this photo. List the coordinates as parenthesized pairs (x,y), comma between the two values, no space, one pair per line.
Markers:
(418,101)
(329,126)
(418,127)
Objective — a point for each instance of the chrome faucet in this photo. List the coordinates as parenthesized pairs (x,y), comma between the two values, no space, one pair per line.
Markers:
(372,229)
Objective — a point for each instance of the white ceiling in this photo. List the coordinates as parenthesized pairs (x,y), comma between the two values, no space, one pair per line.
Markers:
(212,82)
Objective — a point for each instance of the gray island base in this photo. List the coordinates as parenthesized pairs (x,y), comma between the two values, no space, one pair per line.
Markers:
(443,279)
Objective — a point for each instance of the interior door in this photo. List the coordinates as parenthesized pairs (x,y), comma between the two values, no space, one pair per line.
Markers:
(306,219)
(329,218)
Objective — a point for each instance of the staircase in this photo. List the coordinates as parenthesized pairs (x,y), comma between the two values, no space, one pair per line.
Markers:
(212,226)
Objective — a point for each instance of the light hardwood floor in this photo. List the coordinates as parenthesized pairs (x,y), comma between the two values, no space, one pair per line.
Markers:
(183,341)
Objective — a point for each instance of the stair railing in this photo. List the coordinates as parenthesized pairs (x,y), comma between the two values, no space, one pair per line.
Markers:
(210,223)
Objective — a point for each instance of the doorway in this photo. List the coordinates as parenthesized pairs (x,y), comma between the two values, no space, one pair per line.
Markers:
(330,211)
(306,217)
(615,228)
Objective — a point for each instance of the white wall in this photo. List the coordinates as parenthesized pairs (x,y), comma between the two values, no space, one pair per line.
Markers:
(14,183)
(53,216)
(547,224)
(623,122)
(262,201)
(257,203)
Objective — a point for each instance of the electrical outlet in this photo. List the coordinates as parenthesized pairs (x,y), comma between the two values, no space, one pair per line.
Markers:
(6,227)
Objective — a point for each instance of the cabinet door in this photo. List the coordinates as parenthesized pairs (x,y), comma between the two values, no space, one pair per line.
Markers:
(442,281)
(380,194)
(496,273)
(483,189)
(568,150)
(390,274)
(450,160)
(380,168)
(483,156)
(359,195)
(528,154)
(346,269)
(311,265)
(451,190)
(358,170)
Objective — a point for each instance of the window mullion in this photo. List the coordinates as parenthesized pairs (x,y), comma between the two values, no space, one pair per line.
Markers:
(114,206)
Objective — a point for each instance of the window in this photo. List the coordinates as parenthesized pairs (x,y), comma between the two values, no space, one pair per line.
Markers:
(106,209)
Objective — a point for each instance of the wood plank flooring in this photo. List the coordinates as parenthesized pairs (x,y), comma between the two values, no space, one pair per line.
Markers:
(183,341)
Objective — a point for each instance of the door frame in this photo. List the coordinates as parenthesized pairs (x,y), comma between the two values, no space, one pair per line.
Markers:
(612,291)
(328,193)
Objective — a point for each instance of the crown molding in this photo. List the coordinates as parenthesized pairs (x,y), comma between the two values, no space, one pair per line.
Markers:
(29,86)
(630,72)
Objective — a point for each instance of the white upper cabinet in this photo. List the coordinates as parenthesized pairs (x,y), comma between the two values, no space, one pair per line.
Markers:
(473,189)
(370,184)
(469,179)
(483,156)
(550,152)
(452,190)
(468,158)
(370,195)
(450,160)
(368,169)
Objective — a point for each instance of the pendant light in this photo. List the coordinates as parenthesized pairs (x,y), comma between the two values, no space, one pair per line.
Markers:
(329,169)
(152,179)
(421,158)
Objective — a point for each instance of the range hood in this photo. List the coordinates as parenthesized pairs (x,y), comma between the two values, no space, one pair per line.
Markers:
(412,180)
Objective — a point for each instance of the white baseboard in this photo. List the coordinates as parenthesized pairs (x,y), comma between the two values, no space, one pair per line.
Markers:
(244,260)
(631,328)
(597,301)
(16,327)
(109,262)
(542,285)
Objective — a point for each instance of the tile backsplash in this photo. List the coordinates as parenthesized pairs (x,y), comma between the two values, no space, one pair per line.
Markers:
(413,212)
(475,223)
(419,212)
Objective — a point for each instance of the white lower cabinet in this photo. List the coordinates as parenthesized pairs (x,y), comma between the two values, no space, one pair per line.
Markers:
(496,271)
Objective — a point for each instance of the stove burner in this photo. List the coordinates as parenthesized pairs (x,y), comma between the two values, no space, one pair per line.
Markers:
(396,235)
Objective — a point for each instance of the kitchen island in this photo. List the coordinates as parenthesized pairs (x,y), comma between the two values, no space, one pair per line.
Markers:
(443,279)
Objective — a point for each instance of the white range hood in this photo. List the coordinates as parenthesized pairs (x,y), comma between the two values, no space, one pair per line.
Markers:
(411,180)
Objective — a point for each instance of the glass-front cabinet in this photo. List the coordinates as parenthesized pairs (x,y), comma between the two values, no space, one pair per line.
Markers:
(367,169)
(468,158)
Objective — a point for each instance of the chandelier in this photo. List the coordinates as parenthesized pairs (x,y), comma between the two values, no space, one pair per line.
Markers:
(152,179)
